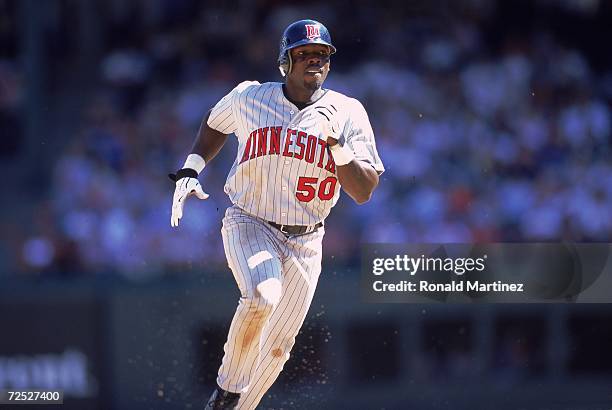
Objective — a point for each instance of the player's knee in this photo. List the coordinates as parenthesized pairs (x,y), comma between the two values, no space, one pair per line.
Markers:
(257,308)
(270,291)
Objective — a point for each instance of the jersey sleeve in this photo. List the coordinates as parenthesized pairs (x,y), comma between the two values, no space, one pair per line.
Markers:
(360,137)
(222,117)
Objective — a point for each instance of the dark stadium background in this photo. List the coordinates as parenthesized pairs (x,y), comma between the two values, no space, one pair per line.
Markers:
(492,117)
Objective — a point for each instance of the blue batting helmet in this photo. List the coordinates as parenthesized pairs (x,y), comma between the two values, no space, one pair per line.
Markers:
(298,34)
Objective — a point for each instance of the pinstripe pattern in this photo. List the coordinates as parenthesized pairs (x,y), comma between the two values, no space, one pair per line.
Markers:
(263,185)
(244,237)
(266,185)
(285,322)
(261,334)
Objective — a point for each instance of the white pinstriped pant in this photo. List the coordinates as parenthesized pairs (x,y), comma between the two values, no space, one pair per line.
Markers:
(267,319)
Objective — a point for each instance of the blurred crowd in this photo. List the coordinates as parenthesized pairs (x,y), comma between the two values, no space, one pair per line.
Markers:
(510,143)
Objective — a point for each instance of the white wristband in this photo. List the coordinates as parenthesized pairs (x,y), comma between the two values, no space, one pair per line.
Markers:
(194,161)
(342,155)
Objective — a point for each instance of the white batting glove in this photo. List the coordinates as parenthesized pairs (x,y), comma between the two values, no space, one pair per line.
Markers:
(185,187)
(341,152)
(330,127)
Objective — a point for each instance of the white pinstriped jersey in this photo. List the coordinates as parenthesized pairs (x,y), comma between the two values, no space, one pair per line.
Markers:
(284,171)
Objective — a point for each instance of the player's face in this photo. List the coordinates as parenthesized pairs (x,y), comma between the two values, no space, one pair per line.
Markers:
(310,65)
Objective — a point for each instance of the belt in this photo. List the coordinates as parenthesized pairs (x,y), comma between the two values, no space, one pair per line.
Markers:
(296,229)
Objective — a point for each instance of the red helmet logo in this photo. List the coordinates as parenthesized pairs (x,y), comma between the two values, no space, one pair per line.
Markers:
(312,31)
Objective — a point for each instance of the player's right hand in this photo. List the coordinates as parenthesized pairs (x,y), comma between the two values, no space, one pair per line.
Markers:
(185,187)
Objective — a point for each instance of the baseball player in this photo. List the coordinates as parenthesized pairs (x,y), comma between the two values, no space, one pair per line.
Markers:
(298,144)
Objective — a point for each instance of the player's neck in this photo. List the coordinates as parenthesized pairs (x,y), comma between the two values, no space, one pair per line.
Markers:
(301,96)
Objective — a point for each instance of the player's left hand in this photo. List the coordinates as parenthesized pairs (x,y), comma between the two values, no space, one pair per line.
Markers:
(331,141)
(331,127)
(185,187)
